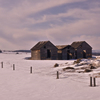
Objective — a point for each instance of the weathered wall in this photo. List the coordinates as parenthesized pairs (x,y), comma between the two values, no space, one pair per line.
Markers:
(89,53)
(88,49)
(84,47)
(72,51)
(64,54)
(79,53)
(35,55)
(59,54)
(53,50)
(68,53)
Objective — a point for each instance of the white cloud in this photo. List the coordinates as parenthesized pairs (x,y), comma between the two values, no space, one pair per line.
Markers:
(16,25)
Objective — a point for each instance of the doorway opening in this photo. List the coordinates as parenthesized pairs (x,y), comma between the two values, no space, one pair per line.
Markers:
(84,53)
(68,54)
(48,53)
(75,54)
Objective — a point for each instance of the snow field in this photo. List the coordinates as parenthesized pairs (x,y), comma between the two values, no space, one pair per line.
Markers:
(42,83)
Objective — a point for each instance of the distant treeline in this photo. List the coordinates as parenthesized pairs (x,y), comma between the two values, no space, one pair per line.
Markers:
(96,54)
(28,51)
(22,51)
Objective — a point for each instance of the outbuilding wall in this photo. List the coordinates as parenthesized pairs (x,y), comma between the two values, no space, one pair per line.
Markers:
(35,55)
(66,53)
(84,47)
(53,51)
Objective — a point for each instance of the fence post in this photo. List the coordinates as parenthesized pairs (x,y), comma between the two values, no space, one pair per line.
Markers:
(94,81)
(90,81)
(1,64)
(13,66)
(31,70)
(57,75)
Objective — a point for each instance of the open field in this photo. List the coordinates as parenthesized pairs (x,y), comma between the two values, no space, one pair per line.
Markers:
(41,84)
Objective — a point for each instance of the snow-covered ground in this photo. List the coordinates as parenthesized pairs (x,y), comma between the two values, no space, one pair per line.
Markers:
(42,84)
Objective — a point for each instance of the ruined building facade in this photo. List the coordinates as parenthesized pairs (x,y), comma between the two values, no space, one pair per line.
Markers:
(45,50)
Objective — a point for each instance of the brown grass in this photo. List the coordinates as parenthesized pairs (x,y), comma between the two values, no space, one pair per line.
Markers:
(77,61)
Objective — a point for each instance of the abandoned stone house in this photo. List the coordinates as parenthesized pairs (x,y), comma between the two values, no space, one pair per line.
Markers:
(45,50)
(82,49)
(65,52)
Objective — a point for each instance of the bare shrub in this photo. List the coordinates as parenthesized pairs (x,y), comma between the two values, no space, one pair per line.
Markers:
(17,53)
(80,71)
(92,66)
(96,64)
(68,68)
(89,58)
(86,67)
(56,65)
(87,70)
(0,51)
(77,61)
(66,63)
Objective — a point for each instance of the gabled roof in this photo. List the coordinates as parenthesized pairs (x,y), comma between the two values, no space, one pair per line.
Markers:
(60,47)
(78,43)
(39,45)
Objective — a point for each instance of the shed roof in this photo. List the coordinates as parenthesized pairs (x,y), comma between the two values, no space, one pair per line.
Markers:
(60,47)
(39,45)
(78,43)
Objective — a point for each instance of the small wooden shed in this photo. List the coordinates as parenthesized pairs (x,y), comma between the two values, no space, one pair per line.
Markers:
(65,52)
(44,50)
(82,49)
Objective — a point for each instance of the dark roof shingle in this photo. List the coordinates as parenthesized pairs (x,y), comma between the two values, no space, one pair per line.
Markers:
(77,44)
(39,45)
(60,47)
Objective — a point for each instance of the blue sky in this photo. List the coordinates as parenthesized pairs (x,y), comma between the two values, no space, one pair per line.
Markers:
(25,22)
